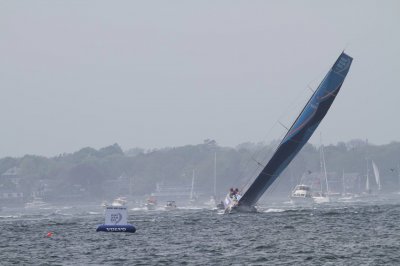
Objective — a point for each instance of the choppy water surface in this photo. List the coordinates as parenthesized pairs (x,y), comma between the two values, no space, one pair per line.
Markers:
(335,234)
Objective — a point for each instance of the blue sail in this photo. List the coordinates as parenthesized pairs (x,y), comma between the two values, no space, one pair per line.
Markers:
(300,132)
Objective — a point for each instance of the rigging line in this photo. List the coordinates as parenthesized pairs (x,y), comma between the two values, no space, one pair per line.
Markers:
(274,186)
(290,106)
(257,162)
(256,171)
(252,176)
(275,148)
(287,109)
(283,125)
(247,168)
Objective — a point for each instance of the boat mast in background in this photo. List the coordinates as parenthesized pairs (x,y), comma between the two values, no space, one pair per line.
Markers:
(215,175)
(343,184)
(192,189)
(367,186)
(398,172)
(323,167)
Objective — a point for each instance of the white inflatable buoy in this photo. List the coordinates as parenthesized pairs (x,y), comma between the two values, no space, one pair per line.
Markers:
(116,220)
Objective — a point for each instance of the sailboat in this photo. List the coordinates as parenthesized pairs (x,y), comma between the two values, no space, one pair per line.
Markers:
(212,202)
(192,199)
(367,186)
(377,176)
(368,190)
(320,197)
(296,137)
(346,196)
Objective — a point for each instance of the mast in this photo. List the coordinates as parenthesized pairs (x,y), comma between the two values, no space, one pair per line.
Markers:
(343,185)
(191,190)
(323,166)
(215,175)
(367,184)
(324,169)
(367,187)
(131,179)
(398,172)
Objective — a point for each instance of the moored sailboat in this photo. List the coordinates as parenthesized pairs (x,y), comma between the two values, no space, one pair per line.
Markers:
(377,176)
(320,196)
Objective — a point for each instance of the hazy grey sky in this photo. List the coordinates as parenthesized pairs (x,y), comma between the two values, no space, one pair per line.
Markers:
(168,73)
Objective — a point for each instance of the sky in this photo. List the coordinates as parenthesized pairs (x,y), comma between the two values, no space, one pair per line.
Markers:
(156,74)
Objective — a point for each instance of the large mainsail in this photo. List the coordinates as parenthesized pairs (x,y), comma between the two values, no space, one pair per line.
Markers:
(301,130)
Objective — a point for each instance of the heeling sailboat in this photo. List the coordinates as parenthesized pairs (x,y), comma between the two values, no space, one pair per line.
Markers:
(297,136)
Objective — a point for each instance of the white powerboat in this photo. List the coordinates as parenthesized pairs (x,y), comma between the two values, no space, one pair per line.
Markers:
(301,195)
(120,201)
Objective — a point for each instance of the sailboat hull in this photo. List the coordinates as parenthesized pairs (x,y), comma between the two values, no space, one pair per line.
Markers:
(237,208)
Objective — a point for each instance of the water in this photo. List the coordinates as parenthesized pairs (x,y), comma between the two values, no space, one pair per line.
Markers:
(334,234)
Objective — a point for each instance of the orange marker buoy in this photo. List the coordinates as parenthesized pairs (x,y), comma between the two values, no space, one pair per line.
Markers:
(49,234)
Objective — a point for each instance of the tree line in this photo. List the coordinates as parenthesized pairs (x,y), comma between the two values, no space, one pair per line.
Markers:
(88,172)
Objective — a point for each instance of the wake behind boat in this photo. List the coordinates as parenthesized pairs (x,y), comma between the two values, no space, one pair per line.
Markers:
(297,136)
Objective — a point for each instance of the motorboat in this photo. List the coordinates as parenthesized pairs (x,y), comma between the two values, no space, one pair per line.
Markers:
(301,194)
(171,205)
(151,203)
(120,201)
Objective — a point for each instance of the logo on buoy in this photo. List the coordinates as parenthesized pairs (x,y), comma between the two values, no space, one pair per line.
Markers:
(116,218)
